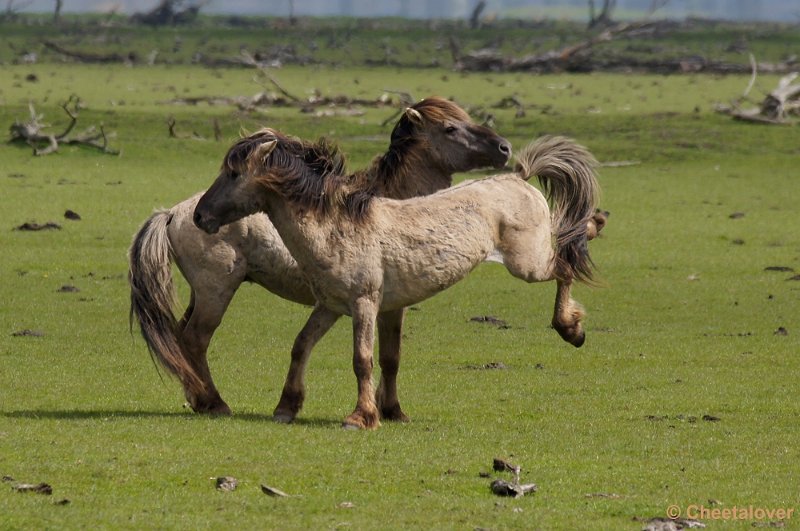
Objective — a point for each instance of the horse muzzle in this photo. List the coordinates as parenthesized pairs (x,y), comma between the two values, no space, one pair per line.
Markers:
(503,153)
(205,223)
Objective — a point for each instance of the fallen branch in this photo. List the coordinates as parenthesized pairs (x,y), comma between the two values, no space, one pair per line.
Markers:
(171,123)
(268,99)
(581,57)
(779,107)
(31,132)
(570,58)
(249,59)
(85,57)
(172,134)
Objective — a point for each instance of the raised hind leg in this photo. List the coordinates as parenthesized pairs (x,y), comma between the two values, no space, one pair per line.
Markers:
(530,256)
(197,327)
(294,389)
(390,330)
(567,315)
(365,415)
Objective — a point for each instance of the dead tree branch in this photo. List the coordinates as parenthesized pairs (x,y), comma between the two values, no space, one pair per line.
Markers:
(43,143)
(573,57)
(57,11)
(85,57)
(584,56)
(12,9)
(779,107)
(604,17)
(475,17)
(249,59)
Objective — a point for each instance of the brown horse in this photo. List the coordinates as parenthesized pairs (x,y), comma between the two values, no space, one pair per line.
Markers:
(432,140)
(363,255)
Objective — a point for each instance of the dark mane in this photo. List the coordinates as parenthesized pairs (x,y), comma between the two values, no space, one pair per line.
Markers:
(309,175)
(321,156)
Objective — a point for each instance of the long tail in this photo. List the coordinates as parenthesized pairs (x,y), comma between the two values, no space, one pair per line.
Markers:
(566,172)
(153,298)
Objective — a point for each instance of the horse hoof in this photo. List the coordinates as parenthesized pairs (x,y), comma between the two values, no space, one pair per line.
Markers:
(359,421)
(218,409)
(579,341)
(574,335)
(394,414)
(283,418)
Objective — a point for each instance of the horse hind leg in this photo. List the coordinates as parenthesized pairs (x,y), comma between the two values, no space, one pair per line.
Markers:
(527,255)
(537,263)
(294,389)
(187,314)
(390,330)
(198,325)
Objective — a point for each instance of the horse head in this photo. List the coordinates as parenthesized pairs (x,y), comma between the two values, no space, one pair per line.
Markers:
(266,161)
(438,131)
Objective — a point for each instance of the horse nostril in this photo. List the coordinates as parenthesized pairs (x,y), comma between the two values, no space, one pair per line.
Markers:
(197,218)
(505,148)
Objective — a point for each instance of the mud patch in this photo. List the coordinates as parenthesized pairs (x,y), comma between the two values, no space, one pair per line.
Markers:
(494,365)
(489,319)
(68,288)
(28,333)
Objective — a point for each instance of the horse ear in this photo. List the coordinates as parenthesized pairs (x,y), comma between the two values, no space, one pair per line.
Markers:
(263,150)
(413,115)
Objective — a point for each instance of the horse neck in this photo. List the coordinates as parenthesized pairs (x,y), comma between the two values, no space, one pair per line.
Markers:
(303,234)
(404,172)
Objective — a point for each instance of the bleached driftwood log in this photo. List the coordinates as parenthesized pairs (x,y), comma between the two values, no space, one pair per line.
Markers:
(781,106)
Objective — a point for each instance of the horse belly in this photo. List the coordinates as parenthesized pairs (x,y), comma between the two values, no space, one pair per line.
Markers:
(426,267)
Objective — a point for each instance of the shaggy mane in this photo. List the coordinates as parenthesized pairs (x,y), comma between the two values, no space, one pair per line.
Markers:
(309,175)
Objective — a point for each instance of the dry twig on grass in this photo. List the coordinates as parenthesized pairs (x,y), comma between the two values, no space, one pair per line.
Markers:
(43,143)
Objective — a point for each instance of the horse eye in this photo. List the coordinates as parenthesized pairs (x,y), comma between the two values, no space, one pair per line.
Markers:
(450,130)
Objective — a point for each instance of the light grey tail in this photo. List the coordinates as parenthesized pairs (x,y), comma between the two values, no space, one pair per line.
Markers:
(153,298)
(566,172)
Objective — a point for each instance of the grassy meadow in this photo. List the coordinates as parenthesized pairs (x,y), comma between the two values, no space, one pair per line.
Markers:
(685,392)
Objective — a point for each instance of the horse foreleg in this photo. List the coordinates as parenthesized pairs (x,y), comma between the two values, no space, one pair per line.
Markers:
(567,315)
(365,416)
(390,330)
(294,389)
(197,327)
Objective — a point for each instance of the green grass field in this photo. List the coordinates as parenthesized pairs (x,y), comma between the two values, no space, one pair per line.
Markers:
(682,327)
